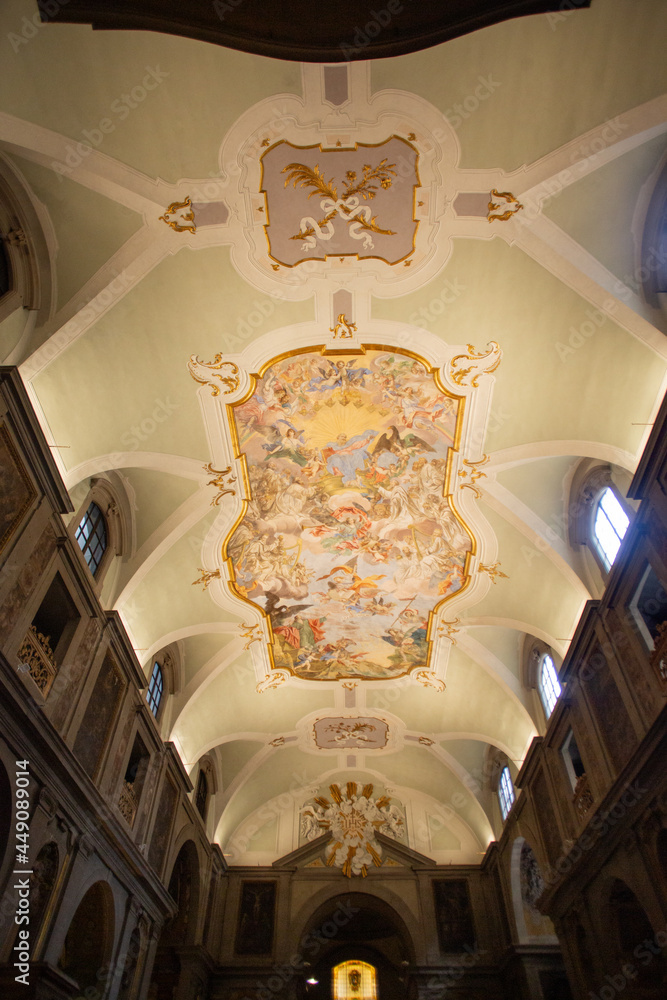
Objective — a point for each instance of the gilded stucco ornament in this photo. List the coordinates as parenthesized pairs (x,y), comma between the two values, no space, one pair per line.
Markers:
(493,571)
(343,329)
(323,202)
(206,577)
(448,630)
(272,681)
(472,472)
(427,678)
(222,480)
(180,217)
(354,818)
(465,370)
(204,372)
(344,733)
(252,632)
(505,208)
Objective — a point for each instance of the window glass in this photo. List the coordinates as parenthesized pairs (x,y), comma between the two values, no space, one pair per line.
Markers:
(155,689)
(92,537)
(505,792)
(611,523)
(548,685)
(201,796)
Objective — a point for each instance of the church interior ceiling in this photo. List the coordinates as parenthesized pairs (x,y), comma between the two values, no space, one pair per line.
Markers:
(341,337)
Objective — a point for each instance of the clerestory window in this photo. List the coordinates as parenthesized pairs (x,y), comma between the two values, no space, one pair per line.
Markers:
(155,689)
(609,526)
(92,537)
(548,684)
(505,792)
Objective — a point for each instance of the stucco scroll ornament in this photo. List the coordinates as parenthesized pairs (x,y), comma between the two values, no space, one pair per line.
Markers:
(472,472)
(427,678)
(359,218)
(494,571)
(204,372)
(180,217)
(501,211)
(343,328)
(448,630)
(222,480)
(354,818)
(252,633)
(467,369)
(206,577)
(272,680)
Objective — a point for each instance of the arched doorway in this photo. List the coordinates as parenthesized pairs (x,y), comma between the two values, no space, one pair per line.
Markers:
(181,929)
(89,940)
(635,943)
(357,928)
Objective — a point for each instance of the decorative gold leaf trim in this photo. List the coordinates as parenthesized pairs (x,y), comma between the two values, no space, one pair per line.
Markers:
(493,571)
(230,381)
(188,216)
(222,480)
(509,203)
(206,577)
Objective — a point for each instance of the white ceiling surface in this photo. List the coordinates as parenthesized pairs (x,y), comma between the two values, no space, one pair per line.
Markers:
(578,107)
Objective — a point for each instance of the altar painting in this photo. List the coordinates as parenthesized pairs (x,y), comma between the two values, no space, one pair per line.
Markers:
(349,540)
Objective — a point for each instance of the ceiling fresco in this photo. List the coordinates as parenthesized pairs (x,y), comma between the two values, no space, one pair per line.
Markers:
(419,280)
(350,539)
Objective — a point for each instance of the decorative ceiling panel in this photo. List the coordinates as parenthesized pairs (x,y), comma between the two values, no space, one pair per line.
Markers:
(347,520)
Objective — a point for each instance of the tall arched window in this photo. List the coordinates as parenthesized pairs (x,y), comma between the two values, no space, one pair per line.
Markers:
(505,792)
(155,689)
(609,526)
(92,537)
(548,684)
(201,795)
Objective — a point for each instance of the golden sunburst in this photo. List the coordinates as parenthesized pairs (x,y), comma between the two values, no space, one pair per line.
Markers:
(332,421)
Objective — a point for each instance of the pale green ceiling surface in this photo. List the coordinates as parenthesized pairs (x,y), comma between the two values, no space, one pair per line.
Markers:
(473,702)
(199,649)
(286,771)
(266,837)
(89,227)
(157,495)
(174,130)
(442,838)
(165,599)
(135,338)
(598,210)
(510,298)
(416,768)
(234,756)
(230,704)
(536,592)
(536,69)
(504,643)
(541,486)
(469,753)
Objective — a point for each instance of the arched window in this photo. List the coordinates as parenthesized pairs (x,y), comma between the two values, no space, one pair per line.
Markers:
(505,792)
(201,796)
(155,689)
(548,685)
(92,537)
(609,526)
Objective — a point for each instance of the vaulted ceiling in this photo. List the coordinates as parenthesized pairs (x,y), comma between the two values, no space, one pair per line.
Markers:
(562,113)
